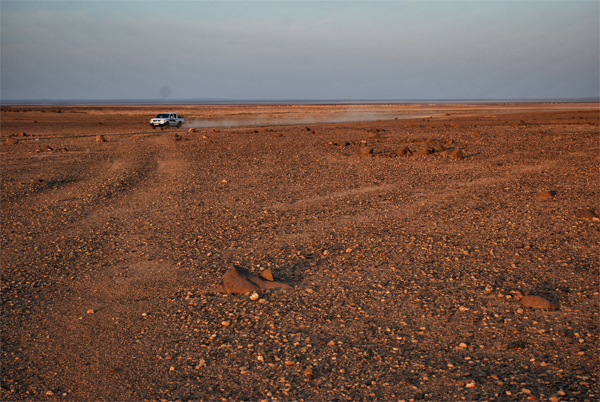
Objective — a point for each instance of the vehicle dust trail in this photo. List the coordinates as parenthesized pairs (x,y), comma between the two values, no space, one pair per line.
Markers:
(349,117)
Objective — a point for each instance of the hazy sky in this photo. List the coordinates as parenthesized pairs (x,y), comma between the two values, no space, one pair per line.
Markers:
(311,50)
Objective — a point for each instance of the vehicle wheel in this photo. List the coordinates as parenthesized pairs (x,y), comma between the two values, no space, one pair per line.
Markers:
(179,124)
(167,125)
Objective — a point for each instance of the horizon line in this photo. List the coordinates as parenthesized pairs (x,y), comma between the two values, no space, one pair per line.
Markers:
(225,101)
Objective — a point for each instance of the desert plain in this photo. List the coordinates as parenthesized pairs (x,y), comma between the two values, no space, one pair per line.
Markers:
(412,237)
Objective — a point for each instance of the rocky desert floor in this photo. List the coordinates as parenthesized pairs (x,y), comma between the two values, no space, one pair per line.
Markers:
(411,275)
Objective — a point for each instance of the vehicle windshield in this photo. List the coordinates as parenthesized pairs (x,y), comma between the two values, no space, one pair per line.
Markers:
(162,116)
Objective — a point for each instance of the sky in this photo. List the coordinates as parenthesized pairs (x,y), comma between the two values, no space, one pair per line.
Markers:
(299,50)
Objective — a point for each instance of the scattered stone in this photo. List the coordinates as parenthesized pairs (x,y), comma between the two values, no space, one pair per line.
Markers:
(44,148)
(441,148)
(462,309)
(516,345)
(192,130)
(544,195)
(342,143)
(463,345)
(588,216)
(226,323)
(457,155)
(366,150)
(267,274)
(307,372)
(488,289)
(90,311)
(175,137)
(374,135)
(470,384)
(476,133)
(11,141)
(238,280)
(262,130)
(289,363)
(254,296)
(100,138)
(404,152)
(22,134)
(425,151)
(538,302)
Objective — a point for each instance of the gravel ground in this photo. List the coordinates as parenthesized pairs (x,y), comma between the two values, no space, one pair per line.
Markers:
(407,272)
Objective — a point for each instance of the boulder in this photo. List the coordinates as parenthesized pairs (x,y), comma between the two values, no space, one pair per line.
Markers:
(588,215)
(238,280)
(44,148)
(425,151)
(538,302)
(545,195)
(267,274)
(404,152)
(366,150)
(457,155)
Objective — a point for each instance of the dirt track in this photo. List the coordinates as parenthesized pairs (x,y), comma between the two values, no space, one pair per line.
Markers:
(407,270)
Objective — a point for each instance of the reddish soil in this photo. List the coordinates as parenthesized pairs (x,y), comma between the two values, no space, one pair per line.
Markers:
(407,272)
